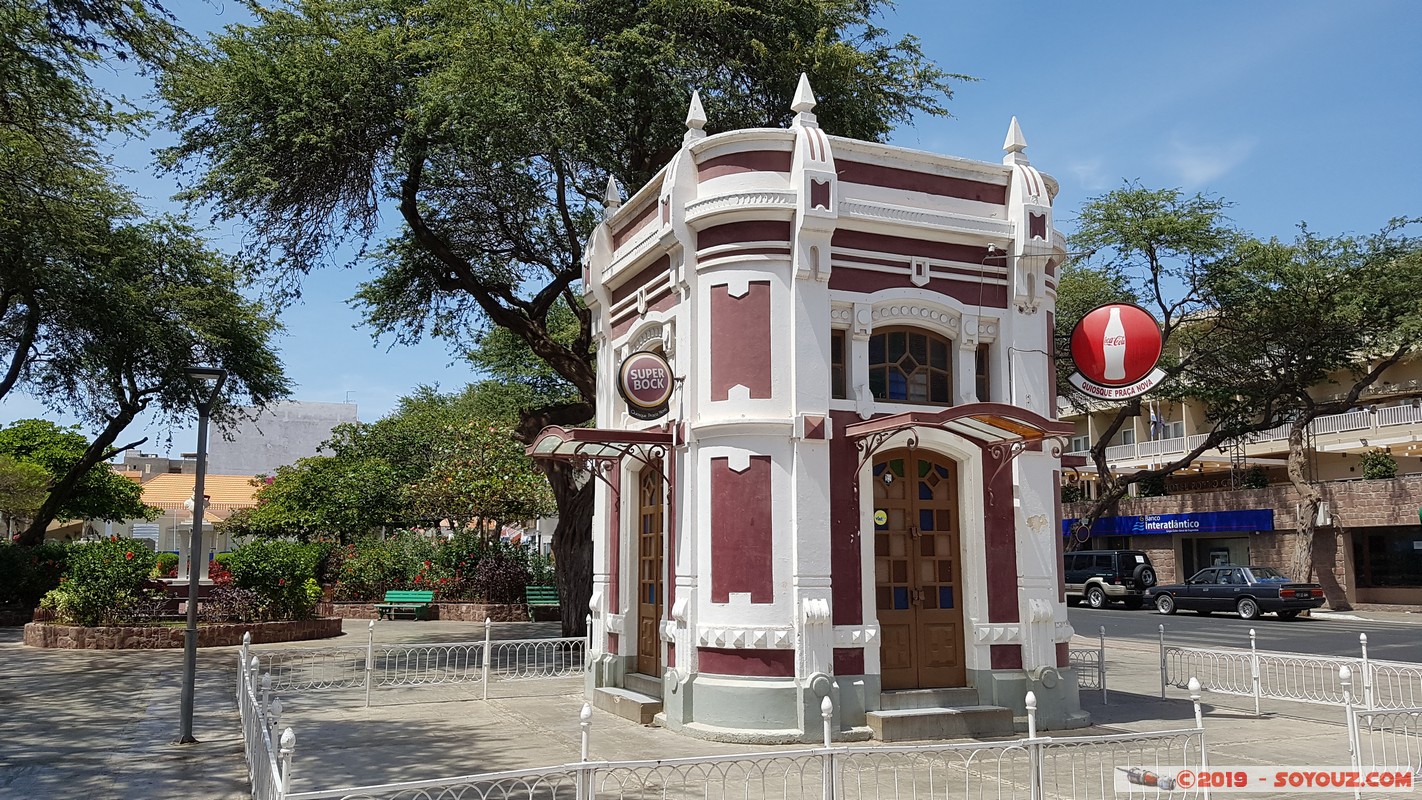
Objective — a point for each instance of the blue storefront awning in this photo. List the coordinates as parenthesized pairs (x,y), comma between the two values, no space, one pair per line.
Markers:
(1254,519)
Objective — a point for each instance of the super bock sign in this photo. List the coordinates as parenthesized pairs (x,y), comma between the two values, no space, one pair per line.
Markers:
(645,381)
(1115,348)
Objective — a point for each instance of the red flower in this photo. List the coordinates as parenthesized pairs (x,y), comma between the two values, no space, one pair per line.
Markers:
(128,556)
(444,580)
(281,581)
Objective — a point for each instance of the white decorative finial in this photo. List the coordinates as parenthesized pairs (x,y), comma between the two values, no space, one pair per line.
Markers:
(612,198)
(1014,144)
(695,120)
(804,97)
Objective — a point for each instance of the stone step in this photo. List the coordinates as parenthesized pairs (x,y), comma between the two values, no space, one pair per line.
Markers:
(645,684)
(901,725)
(928,698)
(625,703)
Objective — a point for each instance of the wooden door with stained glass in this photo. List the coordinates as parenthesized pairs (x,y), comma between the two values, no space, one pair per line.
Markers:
(917,571)
(651,504)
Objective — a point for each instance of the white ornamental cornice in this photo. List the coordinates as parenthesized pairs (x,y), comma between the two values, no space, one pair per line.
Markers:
(1064,632)
(922,218)
(855,635)
(754,200)
(746,637)
(997,634)
(616,623)
(915,312)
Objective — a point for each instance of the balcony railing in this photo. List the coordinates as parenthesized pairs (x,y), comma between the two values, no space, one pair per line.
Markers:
(1347,422)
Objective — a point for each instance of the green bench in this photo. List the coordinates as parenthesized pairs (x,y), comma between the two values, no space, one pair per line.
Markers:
(539,597)
(414,602)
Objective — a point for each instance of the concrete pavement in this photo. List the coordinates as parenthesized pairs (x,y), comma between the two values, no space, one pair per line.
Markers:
(98,724)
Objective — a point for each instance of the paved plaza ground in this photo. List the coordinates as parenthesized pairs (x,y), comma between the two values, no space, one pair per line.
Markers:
(99,725)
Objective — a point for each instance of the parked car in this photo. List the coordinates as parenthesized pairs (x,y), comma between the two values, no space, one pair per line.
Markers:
(1102,576)
(1248,591)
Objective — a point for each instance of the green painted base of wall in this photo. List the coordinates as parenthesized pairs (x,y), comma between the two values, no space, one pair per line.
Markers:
(1058,704)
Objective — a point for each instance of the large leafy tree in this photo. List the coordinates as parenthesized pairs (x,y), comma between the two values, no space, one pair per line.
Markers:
(36,454)
(489,128)
(101,306)
(1158,248)
(1313,324)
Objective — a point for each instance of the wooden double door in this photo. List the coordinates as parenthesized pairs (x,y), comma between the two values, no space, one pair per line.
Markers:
(918,571)
(651,513)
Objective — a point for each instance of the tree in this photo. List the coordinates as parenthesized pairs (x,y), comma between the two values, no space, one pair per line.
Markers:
(491,126)
(1312,325)
(33,449)
(481,472)
(324,496)
(23,486)
(1157,248)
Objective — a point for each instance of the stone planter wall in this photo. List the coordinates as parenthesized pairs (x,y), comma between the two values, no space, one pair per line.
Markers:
(73,637)
(460,612)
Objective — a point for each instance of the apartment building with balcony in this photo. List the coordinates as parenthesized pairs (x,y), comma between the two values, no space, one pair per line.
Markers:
(1234,504)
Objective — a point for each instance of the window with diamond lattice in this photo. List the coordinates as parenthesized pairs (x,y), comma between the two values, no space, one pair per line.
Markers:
(911,366)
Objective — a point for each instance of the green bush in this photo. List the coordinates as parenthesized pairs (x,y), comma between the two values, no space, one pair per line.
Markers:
(372,567)
(103,583)
(540,570)
(166,566)
(1378,464)
(283,573)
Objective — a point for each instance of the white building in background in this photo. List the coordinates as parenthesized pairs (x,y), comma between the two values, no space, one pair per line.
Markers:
(279,436)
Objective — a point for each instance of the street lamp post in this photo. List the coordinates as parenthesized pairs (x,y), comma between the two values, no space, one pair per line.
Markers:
(207,383)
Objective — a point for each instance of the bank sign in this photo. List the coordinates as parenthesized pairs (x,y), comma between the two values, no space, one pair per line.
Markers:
(1115,348)
(1255,519)
(645,381)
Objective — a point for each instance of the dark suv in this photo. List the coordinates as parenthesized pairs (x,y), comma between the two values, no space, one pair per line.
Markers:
(1101,576)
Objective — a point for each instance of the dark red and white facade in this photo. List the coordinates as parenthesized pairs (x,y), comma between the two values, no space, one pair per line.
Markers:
(854,487)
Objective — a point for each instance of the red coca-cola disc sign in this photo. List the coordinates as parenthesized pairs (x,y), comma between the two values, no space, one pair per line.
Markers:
(1117,344)
(645,381)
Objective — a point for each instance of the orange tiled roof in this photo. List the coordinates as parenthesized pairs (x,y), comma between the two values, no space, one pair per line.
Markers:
(170,490)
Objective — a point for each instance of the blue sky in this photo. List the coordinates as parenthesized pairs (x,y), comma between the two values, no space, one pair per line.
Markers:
(1297,111)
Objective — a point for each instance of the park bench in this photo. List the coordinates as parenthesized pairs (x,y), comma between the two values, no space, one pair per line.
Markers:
(413,602)
(540,597)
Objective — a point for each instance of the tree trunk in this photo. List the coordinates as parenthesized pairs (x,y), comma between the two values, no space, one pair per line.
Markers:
(572,543)
(1301,564)
(63,489)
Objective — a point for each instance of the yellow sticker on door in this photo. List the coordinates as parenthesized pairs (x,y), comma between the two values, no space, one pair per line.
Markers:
(881,517)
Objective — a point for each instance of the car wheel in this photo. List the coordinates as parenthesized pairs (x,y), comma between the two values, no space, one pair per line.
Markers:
(1132,603)
(1165,604)
(1095,597)
(1248,608)
(1144,576)
(1204,612)
(1288,614)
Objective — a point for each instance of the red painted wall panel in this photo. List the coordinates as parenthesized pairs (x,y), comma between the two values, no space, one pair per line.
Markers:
(1063,654)
(1000,541)
(847,601)
(746,161)
(614,542)
(749,231)
(1006,656)
(741,528)
(740,341)
(848,661)
(895,178)
(760,663)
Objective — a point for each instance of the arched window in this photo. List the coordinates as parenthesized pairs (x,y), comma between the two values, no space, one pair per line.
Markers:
(910,365)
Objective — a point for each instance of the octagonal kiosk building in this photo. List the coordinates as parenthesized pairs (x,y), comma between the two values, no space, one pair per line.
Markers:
(845,483)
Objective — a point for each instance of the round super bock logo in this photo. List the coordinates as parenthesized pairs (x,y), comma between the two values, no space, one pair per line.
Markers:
(1115,348)
(645,382)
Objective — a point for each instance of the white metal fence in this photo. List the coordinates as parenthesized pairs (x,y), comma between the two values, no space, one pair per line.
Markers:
(268,768)
(1090,665)
(1381,738)
(1036,767)
(378,666)
(1291,676)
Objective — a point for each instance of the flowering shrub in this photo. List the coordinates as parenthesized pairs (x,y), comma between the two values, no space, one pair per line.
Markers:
(166,566)
(103,583)
(501,574)
(282,573)
(27,573)
(370,568)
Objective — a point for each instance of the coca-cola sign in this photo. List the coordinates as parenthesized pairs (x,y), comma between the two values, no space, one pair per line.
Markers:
(1115,348)
(645,381)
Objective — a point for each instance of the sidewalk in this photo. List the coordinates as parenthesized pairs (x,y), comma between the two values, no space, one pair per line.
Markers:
(98,724)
